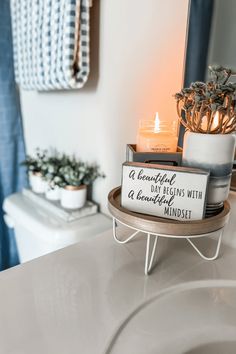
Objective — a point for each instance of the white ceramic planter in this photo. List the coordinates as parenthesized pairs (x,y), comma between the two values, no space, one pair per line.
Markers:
(213,152)
(38,185)
(53,193)
(73,197)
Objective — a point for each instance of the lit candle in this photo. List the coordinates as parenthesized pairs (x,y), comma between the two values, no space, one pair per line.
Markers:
(157,136)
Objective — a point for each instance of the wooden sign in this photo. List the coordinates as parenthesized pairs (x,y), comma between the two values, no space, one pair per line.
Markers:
(171,192)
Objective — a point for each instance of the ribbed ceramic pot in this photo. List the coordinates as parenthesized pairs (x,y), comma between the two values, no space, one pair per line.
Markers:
(73,197)
(218,189)
(37,183)
(213,152)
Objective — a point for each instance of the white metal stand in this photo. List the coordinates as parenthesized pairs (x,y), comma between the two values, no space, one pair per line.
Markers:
(150,253)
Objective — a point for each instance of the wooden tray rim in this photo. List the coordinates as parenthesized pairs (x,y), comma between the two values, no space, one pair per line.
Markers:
(154,224)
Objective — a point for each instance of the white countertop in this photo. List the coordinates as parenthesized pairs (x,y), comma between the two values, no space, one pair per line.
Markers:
(73,300)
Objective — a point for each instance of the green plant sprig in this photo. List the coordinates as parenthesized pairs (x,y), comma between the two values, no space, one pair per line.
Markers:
(62,170)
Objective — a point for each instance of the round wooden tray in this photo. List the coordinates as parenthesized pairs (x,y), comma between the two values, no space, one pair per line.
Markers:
(157,225)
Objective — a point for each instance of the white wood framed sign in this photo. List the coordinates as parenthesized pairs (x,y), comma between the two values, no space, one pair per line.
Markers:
(171,192)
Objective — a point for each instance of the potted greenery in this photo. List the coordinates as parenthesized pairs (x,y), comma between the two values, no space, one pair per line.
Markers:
(36,168)
(73,178)
(208,113)
(52,177)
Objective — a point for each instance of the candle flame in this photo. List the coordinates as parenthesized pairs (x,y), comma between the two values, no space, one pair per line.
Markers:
(157,122)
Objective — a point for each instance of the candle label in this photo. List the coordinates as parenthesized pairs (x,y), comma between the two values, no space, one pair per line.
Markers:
(171,192)
(160,148)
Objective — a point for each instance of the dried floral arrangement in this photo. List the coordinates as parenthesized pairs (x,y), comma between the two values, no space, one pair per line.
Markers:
(209,108)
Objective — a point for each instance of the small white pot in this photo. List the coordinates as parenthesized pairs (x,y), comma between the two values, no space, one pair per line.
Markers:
(73,197)
(53,193)
(37,182)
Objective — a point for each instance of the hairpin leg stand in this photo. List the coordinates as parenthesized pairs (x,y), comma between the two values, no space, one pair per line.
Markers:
(151,250)
(217,248)
(149,263)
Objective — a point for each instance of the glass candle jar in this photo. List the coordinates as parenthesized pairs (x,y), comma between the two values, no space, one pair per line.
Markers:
(157,136)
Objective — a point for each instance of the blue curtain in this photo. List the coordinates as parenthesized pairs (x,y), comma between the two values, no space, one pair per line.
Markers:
(12,150)
(200,19)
